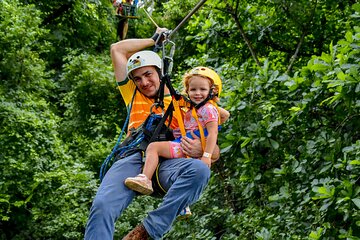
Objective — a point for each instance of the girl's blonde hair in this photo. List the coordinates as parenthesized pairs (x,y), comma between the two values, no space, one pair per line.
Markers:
(214,88)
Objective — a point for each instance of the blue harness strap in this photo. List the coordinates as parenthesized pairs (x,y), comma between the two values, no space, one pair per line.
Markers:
(109,159)
(196,132)
(153,129)
(130,144)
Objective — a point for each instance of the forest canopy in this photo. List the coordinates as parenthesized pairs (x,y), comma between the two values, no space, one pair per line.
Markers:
(290,152)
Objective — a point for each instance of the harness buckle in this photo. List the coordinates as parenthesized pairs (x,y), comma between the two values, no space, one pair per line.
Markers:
(157,105)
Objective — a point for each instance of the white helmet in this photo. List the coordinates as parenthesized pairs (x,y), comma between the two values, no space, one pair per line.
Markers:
(142,59)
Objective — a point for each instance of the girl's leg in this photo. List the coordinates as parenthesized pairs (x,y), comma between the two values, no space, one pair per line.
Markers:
(142,183)
(153,152)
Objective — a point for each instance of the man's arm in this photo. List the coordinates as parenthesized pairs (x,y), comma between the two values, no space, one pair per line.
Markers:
(122,51)
(193,148)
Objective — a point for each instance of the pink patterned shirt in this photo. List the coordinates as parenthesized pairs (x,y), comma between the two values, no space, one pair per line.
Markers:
(207,113)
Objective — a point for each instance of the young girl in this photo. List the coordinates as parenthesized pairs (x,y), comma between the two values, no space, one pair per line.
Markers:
(203,86)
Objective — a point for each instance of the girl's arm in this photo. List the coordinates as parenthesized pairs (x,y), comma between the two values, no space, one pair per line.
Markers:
(224,115)
(193,149)
(212,128)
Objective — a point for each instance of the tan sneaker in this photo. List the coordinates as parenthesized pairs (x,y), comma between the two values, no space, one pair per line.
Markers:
(140,184)
(138,233)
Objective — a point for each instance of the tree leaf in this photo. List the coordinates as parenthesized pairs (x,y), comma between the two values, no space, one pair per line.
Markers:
(356,201)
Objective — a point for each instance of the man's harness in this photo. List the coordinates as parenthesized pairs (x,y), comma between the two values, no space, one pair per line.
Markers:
(153,129)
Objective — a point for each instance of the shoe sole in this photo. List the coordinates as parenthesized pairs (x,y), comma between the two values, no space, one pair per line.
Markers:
(184,217)
(138,188)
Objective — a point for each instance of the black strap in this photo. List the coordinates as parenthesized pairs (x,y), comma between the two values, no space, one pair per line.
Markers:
(160,100)
(166,80)
(162,122)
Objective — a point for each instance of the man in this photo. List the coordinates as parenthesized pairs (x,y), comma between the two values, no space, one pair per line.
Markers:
(184,179)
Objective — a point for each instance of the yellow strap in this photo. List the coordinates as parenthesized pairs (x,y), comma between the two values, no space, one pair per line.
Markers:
(201,130)
(158,180)
(179,117)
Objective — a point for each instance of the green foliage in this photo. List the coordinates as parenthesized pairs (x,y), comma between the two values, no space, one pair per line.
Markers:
(44,192)
(85,25)
(290,164)
(85,80)
(290,152)
(21,65)
(237,31)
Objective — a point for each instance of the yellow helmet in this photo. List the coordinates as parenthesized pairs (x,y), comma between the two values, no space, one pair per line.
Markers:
(209,73)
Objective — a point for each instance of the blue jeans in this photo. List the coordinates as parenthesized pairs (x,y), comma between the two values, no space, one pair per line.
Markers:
(183,178)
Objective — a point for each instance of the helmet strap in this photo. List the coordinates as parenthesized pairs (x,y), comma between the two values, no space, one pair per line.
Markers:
(160,92)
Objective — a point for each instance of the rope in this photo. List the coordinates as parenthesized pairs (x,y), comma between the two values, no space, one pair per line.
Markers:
(111,155)
(109,158)
(152,20)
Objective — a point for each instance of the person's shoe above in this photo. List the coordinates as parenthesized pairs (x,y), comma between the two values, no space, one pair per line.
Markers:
(140,184)
(185,213)
(138,233)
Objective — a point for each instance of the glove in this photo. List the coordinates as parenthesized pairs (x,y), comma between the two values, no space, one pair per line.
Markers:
(159,37)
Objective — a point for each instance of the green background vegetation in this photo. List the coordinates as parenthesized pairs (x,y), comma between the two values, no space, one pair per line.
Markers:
(290,162)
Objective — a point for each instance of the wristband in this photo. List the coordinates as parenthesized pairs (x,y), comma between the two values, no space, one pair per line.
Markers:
(206,155)
(155,36)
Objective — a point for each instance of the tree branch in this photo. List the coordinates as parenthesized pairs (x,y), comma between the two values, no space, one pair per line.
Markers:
(305,28)
(233,14)
(294,57)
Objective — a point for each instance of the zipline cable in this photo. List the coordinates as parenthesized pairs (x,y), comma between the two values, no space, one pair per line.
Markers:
(168,59)
(200,3)
(171,32)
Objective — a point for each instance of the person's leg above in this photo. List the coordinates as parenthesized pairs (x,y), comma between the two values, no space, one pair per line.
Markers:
(112,198)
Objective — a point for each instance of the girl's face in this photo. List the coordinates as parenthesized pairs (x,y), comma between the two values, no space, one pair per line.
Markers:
(199,88)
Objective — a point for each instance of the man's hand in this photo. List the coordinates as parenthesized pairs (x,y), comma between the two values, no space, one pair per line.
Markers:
(159,37)
(192,147)
(160,30)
